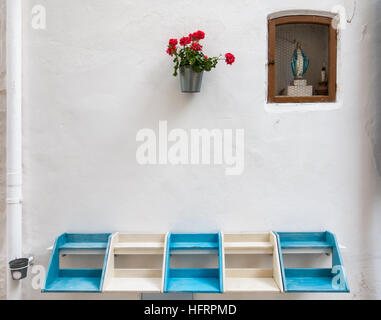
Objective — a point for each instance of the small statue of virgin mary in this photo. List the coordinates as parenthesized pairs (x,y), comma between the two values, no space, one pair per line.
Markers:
(300,62)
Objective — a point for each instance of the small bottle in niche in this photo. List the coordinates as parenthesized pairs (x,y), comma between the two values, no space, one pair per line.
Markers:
(323,74)
(322,90)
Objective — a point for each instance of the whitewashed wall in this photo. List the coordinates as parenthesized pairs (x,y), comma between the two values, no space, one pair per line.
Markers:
(3,125)
(99,73)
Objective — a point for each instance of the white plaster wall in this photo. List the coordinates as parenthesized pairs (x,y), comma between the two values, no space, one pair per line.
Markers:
(99,73)
(3,125)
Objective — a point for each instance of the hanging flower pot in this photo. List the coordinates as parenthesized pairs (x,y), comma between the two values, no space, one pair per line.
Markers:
(192,62)
(19,268)
(190,80)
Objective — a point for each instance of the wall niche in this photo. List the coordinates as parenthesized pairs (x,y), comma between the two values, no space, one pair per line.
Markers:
(302,59)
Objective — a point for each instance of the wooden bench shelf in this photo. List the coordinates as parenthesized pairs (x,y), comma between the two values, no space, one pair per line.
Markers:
(201,280)
(143,244)
(134,280)
(114,276)
(252,280)
(312,279)
(76,280)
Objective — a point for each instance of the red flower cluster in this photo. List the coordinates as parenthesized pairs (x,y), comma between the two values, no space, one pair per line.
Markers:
(190,53)
(173,43)
(229,58)
(172,46)
(196,46)
(170,51)
(197,36)
(185,40)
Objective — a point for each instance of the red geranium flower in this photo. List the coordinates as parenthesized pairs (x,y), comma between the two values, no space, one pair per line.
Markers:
(173,43)
(188,51)
(229,58)
(170,51)
(185,40)
(172,46)
(196,46)
(200,34)
(197,36)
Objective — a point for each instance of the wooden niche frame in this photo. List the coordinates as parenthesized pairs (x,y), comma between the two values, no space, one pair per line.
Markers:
(332,63)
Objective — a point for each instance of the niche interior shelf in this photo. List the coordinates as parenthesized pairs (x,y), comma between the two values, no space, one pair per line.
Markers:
(203,280)
(148,280)
(76,280)
(313,279)
(252,279)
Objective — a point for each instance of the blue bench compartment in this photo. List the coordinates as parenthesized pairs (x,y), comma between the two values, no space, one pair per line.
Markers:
(76,280)
(194,242)
(314,279)
(193,280)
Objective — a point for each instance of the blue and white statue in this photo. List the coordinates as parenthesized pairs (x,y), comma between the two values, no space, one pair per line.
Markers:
(299,62)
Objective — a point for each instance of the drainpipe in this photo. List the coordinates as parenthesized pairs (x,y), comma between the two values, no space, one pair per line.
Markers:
(14,142)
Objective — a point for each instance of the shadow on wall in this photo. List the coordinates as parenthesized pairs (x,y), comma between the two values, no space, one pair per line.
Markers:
(370,186)
(371,88)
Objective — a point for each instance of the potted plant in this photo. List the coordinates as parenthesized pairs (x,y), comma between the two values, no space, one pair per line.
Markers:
(190,60)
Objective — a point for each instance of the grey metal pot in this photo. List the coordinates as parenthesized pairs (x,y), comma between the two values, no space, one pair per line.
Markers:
(19,268)
(190,80)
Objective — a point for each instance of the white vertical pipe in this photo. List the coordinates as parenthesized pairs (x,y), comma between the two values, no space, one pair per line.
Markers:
(14,142)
